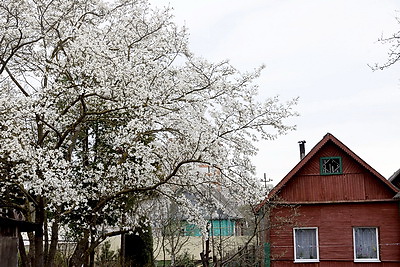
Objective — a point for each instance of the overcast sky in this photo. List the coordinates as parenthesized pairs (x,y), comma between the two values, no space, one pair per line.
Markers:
(316,50)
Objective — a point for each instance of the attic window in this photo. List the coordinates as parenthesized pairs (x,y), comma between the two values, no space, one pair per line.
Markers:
(330,165)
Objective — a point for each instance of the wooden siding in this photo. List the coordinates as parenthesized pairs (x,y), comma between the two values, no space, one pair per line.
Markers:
(355,183)
(8,251)
(335,224)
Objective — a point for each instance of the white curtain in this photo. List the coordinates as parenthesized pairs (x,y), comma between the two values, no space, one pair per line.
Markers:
(306,243)
(365,243)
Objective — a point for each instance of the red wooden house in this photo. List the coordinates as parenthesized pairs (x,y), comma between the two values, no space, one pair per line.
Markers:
(343,213)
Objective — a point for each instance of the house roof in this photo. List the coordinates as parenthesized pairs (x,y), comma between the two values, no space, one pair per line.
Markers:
(395,180)
(327,138)
(394,176)
(23,226)
(218,206)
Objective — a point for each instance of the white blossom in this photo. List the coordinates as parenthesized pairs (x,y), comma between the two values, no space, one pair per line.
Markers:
(102,102)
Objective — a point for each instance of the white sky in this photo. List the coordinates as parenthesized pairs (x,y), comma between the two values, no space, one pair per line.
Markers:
(317,50)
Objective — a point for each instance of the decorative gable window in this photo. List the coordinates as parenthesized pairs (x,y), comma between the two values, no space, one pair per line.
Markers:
(366,247)
(306,244)
(330,165)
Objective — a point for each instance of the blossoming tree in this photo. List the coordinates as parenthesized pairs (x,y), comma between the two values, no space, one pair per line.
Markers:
(103,107)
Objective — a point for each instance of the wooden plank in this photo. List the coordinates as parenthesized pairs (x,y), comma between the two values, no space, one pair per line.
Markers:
(8,251)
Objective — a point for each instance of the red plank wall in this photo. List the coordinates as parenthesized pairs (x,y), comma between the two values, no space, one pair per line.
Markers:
(335,223)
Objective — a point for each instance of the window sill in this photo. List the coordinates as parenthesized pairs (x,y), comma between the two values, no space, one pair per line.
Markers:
(367,260)
(306,261)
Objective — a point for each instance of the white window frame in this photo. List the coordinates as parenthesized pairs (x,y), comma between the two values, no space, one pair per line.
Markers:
(376,242)
(294,242)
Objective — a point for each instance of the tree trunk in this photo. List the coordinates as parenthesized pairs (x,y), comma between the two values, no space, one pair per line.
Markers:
(122,250)
(92,252)
(46,240)
(204,255)
(79,255)
(38,262)
(54,242)
(39,234)
(22,252)
(31,253)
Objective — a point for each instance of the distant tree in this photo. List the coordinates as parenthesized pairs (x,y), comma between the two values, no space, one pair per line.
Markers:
(393,52)
(103,107)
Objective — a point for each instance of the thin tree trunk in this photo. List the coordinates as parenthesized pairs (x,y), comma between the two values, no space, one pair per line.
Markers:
(78,257)
(31,253)
(39,210)
(39,234)
(163,246)
(46,240)
(22,252)
(91,254)
(54,241)
(205,255)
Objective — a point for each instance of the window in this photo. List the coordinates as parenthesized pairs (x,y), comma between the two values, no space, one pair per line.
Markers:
(222,228)
(306,244)
(215,228)
(366,246)
(331,165)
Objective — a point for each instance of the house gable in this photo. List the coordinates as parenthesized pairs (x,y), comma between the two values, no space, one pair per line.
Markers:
(356,180)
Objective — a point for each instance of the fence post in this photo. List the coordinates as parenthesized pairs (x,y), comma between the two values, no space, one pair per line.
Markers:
(267,255)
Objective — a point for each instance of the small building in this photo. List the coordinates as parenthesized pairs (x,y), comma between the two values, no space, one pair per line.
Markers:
(341,212)
(227,229)
(9,242)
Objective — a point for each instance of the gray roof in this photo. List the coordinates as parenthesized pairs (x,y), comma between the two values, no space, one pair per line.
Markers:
(395,182)
(394,175)
(217,206)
